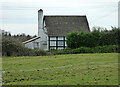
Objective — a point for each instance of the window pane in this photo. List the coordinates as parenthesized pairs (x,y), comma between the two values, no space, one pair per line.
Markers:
(52,47)
(60,38)
(52,43)
(60,48)
(65,38)
(65,43)
(52,38)
(60,43)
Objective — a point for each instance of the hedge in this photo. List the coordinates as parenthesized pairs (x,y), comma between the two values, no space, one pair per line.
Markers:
(95,38)
(98,49)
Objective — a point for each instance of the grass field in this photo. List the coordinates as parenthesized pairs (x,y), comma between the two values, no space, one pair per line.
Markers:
(71,69)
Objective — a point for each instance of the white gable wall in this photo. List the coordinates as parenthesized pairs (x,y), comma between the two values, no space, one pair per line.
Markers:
(33,44)
(43,38)
(29,45)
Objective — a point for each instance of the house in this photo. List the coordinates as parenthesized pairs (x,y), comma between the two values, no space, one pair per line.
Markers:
(52,30)
(32,43)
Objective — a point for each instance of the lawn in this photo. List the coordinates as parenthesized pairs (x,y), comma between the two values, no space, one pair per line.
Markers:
(69,69)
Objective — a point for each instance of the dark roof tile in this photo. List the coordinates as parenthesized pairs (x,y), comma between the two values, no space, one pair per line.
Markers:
(61,25)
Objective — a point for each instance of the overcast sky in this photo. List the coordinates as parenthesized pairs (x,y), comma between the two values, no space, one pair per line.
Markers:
(21,16)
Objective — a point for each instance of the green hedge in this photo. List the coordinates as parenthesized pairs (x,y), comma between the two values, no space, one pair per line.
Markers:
(98,49)
(95,38)
(40,52)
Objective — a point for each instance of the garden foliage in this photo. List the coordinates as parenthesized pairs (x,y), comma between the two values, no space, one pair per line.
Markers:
(95,38)
(11,47)
(97,49)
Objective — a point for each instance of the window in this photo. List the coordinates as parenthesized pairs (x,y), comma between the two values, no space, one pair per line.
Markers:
(60,43)
(57,42)
(52,43)
(59,48)
(65,43)
(60,38)
(65,38)
(52,47)
(52,38)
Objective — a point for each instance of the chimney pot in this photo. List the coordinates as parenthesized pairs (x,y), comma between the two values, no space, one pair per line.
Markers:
(40,10)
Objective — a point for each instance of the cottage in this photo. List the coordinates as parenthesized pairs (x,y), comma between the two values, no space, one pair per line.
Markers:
(52,30)
(33,43)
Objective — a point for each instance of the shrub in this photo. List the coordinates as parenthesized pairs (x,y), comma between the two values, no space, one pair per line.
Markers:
(101,49)
(77,39)
(82,50)
(98,49)
(11,47)
(72,39)
(95,38)
(40,52)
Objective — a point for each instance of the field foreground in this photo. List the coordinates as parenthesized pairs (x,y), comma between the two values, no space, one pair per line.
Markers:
(71,69)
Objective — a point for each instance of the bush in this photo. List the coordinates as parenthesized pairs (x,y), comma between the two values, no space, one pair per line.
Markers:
(82,50)
(101,49)
(95,38)
(72,39)
(40,52)
(11,47)
(77,39)
(98,49)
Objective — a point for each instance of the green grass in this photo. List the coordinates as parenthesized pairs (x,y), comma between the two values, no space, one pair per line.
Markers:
(103,70)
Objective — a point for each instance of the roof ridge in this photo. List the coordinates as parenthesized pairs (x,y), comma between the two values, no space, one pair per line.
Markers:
(67,15)
(31,39)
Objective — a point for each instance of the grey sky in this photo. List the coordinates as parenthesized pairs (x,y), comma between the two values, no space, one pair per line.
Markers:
(21,16)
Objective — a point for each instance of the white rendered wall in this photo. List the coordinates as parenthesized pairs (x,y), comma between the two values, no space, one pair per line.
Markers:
(42,31)
(47,43)
(31,44)
(40,22)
